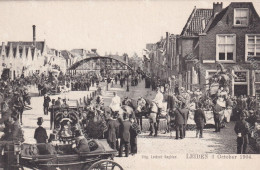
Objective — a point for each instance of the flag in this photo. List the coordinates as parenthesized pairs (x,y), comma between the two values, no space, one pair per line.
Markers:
(164,60)
(147,51)
(163,49)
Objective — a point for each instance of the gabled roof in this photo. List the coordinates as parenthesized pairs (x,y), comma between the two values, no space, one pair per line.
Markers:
(39,44)
(194,25)
(219,16)
(214,21)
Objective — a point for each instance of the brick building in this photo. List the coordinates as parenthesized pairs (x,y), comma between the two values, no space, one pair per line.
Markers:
(187,44)
(230,37)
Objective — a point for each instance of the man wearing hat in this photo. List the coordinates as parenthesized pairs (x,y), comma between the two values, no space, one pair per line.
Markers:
(40,134)
(113,131)
(124,133)
(46,102)
(242,131)
(58,102)
(81,143)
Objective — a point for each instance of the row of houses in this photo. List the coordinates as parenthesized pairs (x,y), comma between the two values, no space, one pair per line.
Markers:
(230,36)
(28,57)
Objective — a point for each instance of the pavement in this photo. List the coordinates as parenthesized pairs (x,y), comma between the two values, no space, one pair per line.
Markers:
(150,149)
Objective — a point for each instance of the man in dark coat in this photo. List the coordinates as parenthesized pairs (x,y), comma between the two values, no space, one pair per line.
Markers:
(242,131)
(46,102)
(185,113)
(40,134)
(113,132)
(179,121)
(124,134)
(121,82)
(58,102)
(133,140)
(40,89)
(200,120)
(216,109)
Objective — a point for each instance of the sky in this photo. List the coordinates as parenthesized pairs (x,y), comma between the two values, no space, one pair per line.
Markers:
(109,26)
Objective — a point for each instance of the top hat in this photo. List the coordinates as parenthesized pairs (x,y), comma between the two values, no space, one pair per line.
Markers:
(40,121)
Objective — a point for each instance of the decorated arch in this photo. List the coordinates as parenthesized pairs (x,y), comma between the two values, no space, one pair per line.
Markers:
(100,62)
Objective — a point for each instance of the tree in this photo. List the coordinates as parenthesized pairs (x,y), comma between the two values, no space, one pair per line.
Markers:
(135,62)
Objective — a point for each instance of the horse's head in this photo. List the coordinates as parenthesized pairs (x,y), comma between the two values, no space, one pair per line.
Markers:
(140,104)
(127,101)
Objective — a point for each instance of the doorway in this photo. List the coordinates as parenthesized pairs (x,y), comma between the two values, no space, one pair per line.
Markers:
(240,90)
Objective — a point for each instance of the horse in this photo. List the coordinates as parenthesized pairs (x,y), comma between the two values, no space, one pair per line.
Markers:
(132,104)
(150,109)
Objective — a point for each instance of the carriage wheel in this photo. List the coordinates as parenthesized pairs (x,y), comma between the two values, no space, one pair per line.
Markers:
(105,165)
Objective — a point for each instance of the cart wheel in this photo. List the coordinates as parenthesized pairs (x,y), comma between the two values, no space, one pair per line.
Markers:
(105,165)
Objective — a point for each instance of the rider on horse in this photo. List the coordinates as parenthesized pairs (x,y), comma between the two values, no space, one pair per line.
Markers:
(115,104)
(158,100)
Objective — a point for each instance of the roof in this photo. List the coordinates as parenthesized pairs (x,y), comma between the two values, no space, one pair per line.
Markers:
(194,25)
(80,52)
(215,20)
(219,16)
(39,44)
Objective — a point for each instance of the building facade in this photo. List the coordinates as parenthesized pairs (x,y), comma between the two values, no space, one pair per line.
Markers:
(29,57)
(187,44)
(230,37)
(160,58)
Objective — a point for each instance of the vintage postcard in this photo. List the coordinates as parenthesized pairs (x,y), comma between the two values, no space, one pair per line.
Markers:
(129,85)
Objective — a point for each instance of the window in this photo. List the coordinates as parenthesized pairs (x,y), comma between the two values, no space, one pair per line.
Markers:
(253,47)
(226,47)
(241,17)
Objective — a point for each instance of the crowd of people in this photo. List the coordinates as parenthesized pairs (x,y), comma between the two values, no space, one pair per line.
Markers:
(180,104)
(216,100)
(14,97)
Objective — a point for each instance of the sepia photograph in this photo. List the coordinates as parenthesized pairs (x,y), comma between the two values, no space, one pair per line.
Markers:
(129,85)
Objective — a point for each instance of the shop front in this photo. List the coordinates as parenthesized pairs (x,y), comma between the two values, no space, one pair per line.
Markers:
(240,83)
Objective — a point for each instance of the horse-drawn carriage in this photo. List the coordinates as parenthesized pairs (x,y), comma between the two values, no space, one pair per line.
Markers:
(20,156)
(62,155)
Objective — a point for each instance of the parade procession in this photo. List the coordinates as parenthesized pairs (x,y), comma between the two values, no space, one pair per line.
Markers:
(194,92)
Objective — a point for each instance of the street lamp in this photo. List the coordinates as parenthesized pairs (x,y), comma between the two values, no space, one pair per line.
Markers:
(127,85)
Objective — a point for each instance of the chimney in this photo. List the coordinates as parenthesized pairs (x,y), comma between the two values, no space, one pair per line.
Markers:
(94,50)
(217,7)
(34,35)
